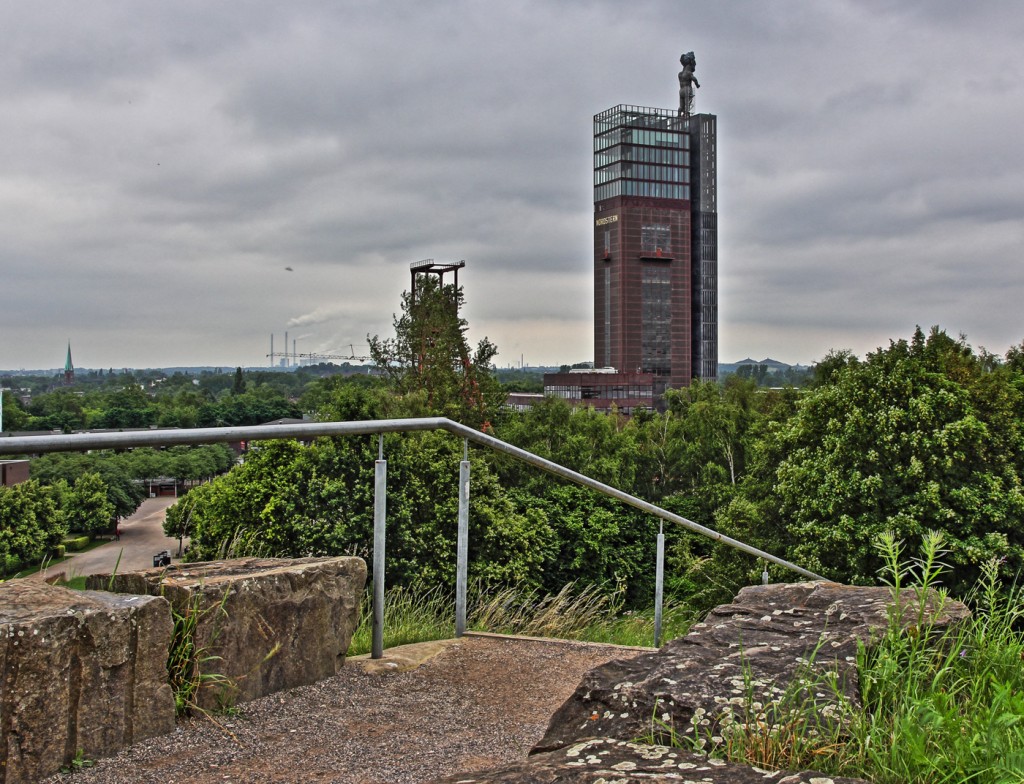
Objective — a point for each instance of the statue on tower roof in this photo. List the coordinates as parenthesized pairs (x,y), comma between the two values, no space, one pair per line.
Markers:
(687,81)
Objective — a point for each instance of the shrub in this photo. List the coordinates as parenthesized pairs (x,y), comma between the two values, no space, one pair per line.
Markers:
(77,543)
(9,564)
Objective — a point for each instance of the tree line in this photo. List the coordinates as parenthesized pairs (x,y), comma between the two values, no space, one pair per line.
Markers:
(216,400)
(65,490)
(89,493)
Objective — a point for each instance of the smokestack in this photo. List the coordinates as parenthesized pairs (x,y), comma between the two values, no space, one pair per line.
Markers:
(286,348)
(271,349)
(295,357)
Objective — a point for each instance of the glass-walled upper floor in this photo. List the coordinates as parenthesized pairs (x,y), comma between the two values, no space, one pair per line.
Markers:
(640,171)
(641,151)
(629,152)
(640,125)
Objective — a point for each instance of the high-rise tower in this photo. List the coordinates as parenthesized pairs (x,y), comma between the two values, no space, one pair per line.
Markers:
(656,242)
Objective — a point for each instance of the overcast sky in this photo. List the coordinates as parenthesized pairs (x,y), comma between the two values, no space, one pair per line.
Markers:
(163,163)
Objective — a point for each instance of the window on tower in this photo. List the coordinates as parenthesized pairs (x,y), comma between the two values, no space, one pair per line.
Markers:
(656,320)
(655,239)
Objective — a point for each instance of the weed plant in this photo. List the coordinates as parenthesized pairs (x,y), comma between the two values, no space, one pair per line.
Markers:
(938,706)
(944,707)
(187,663)
(419,614)
(78,763)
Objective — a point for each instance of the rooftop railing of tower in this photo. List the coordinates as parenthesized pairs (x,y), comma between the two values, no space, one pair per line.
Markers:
(639,117)
(81,442)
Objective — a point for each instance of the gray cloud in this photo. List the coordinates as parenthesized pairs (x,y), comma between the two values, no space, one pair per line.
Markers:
(163,164)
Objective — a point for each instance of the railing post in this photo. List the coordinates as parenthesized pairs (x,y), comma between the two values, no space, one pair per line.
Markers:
(659,584)
(462,557)
(380,491)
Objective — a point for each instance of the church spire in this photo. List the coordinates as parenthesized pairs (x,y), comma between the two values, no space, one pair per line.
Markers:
(69,368)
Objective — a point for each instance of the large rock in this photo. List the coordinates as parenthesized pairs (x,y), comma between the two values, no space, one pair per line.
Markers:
(264,624)
(731,669)
(608,761)
(82,672)
(734,667)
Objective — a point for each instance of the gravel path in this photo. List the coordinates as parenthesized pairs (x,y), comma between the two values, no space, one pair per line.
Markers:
(481,702)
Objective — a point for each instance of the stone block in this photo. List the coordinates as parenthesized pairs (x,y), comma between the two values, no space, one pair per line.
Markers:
(737,664)
(82,671)
(609,761)
(265,624)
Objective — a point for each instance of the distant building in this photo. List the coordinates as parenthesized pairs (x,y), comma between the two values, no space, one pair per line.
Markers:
(602,390)
(655,253)
(12,472)
(523,401)
(655,244)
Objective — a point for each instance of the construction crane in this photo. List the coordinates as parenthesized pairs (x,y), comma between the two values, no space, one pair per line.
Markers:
(351,356)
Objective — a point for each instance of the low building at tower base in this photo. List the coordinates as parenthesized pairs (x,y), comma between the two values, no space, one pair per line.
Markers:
(605,389)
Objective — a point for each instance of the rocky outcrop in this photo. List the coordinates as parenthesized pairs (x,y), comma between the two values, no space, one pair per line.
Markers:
(772,643)
(735,666)
(263,624)
(608,761)
(82,673)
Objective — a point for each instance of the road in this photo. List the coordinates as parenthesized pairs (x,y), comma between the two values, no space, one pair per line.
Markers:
(142,537)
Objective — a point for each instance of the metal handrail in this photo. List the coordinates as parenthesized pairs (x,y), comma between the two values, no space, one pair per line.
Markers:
(78,442)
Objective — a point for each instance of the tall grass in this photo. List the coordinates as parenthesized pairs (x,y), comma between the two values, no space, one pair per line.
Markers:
(589,613)
(416,614)
(938,706)
(949,706)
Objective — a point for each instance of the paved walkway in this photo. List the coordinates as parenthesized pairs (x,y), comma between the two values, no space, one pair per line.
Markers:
(142,537)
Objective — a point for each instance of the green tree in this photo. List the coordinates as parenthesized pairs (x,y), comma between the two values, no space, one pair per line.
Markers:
(238,387)
(259,405)
(88,507)
(31,524)
(128,407)
(57,410)
(429,361)
(345,399)
(14,415)
(289,500)
(123,492)
(921,435)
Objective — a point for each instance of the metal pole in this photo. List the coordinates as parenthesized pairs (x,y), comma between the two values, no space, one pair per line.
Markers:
(462,559)
(567,473)
(380,490)
(659,584)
